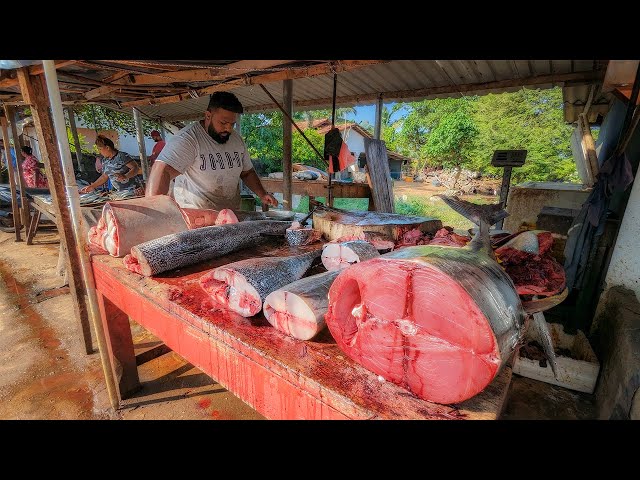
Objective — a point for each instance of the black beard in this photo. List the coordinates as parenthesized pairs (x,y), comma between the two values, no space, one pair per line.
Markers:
(216,136)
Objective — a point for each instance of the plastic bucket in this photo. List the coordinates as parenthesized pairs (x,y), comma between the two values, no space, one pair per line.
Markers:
(248,203)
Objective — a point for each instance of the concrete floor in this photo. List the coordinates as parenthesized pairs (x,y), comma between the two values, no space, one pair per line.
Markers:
(45,372)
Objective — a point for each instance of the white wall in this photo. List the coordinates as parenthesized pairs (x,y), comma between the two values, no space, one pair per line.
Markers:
(624,269)
(355,142)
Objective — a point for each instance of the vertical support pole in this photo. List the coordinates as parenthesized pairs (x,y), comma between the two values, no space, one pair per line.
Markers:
(140,135)
(76,138)
(287,139)
(35,93)
(78,239)
(12,178)
(504,192)
(377,133)
(10,112)
(333,121)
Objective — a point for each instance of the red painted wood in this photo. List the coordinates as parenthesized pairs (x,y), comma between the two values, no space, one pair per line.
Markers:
(279,376)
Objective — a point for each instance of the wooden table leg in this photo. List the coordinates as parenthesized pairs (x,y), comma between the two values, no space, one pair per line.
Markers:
(119,341)
(33,226)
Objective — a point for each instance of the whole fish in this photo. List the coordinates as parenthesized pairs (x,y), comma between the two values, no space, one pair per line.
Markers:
(439,321)
(242,286)
(298,309)
(336,256)
(194,246)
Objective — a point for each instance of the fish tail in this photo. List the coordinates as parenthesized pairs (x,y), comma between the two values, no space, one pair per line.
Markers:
(478,214)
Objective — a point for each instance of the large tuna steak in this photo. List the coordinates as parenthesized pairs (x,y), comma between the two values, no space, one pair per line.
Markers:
(298,309)
(439,321)
(242,286)
(194,246)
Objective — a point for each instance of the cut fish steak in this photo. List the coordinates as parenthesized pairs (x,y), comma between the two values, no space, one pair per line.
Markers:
(242,286)
(336,256)
(126,223)
(194,246)
(298,309)
(439,321)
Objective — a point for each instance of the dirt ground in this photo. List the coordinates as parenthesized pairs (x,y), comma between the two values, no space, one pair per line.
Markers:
(45,372)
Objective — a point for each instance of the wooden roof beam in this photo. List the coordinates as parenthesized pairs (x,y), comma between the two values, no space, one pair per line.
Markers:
(12,80)
(290,74)
(196,75)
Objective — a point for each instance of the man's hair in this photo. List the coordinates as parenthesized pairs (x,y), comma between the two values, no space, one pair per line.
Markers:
(226,100)
(27,149)
(102,141)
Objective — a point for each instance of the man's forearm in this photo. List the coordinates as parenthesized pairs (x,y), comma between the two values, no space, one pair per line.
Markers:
(251,180)
(159,179)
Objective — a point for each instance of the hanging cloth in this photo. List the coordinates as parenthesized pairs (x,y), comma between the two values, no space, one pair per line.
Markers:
(336,151)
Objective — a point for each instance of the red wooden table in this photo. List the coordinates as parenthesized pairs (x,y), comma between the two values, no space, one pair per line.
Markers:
(277,375)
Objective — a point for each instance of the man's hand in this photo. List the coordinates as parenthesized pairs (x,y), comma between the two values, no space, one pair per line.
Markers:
(120,177)
(87,189)
(269,199)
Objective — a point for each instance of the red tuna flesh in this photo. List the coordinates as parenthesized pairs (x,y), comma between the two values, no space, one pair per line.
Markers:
(439,326)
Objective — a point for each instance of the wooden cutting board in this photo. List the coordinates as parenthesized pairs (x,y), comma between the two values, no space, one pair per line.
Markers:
(336,223)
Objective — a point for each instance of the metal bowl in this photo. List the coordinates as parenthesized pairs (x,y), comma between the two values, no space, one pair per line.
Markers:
(280,214)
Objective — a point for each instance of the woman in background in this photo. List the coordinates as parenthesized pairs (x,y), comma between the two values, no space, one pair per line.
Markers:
(117,166)
(33,176)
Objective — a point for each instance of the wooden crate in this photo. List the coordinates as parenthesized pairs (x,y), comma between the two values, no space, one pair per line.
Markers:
(578,371)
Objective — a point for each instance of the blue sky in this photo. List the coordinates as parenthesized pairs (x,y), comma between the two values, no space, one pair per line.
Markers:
(368,113)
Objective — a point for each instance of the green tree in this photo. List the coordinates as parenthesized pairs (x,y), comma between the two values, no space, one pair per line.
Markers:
(100,117)
(527,119)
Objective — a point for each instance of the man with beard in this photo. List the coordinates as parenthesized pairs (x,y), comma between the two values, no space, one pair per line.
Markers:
(211,158)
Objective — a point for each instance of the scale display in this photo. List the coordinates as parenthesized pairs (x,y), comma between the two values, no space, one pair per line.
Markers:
(508,158)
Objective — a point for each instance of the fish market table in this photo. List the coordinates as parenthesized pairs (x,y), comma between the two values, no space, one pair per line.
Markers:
(279,376)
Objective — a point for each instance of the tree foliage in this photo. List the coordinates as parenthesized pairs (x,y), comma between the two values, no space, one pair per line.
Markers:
(99,118)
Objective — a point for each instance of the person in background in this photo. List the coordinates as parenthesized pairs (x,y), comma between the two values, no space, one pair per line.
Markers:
(118,167)
(157,148)
(212,158)
(33,176)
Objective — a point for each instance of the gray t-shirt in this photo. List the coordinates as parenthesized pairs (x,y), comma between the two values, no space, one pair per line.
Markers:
(210,170)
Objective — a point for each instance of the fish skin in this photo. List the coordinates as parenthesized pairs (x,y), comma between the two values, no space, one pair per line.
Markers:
(545,339)
(312,292)
(194,246)
(263,274)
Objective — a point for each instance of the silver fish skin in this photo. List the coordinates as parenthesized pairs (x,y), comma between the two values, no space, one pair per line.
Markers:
(242,286)
(336,256)
(298,309)
(193,246)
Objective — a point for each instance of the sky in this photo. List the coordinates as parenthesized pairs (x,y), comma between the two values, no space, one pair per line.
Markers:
(368,113)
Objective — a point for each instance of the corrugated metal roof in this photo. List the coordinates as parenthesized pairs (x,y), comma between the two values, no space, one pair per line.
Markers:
(178,90)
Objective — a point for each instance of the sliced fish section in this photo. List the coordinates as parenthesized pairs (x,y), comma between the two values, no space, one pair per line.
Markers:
(298,309)
(242,286)
(336,256)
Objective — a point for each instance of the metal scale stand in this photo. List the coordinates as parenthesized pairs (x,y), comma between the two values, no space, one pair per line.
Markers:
(507,159)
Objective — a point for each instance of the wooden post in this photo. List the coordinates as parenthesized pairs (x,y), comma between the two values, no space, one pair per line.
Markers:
(504,192)
(140,135)
(12,178)
(377,133)
(287,139)
(378,169)
(34,93)
(76,139)
(10,112)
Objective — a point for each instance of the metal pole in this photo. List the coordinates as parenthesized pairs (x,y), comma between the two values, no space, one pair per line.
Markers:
(76,139)
(287,139)
(140,135)
(12,179)
(333,121)
(73,197)
(504,192)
